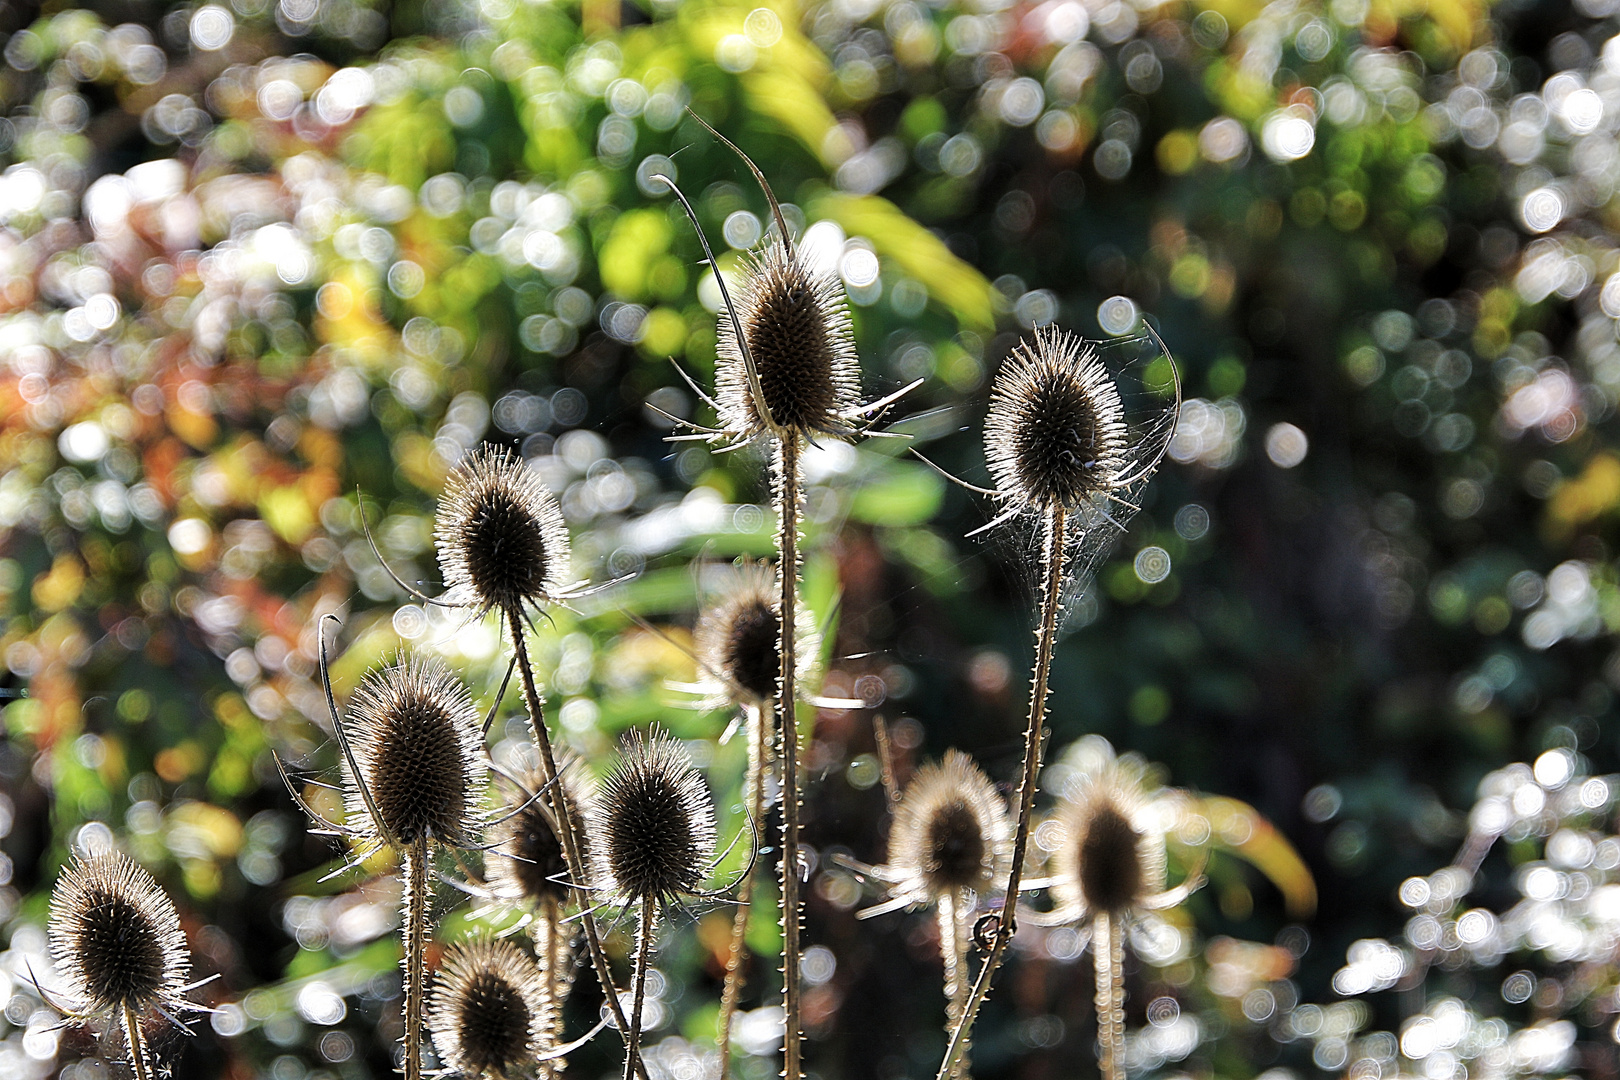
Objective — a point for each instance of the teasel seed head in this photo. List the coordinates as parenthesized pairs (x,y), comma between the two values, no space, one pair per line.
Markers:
(1110,852)
(1056,435)
(418,742)
(795,321)
(653,822)
(737,640)
(528,862)
(950,831)
(503,543)
(489,1011)
(116,937)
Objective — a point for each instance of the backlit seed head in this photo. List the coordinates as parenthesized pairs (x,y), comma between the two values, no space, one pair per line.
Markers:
(489,1010)
(502,540)
(1056,435)
(737,640)
(528,861)
(653,822)
(1110,851)
(796,323)
(418,740)
(950,832)
(116,937)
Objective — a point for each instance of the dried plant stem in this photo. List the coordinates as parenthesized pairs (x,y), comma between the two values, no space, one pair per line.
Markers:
(754,801)
(416,916)
(137,1047)
(1045,638)
(551,949)
(562,812)
(787,563)
(1108,948)
(953,932)
(632,1044)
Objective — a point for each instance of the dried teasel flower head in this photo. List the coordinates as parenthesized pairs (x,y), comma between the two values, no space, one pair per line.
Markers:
(950,831)
(116,938)
(503,543)
(527,862)
(653,822)
(1109,855)
(418,747)
(489,1010)
(736,640)
(1056,435)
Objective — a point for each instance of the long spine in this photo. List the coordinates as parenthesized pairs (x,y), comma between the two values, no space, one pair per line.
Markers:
(787,499)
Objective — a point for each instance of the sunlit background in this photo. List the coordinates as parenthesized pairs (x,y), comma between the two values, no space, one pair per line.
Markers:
(268,270)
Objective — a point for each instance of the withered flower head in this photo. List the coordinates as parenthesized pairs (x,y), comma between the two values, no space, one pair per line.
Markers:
(418,742)
(653,822)
(116,937)
(502,539)
(736,640)
(528,861)
(489,1009)
(1056,435)
(950,832)
(1110,854)
(796,325)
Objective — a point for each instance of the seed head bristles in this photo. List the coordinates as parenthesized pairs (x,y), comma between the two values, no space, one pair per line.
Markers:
(503,543)
(528,862)
(654,823)
(490,1014)
(116,939)
(1110,854)
(950,832)
(418,745)
(736,637)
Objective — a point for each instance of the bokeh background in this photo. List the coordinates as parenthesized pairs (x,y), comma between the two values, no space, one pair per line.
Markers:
(270,268)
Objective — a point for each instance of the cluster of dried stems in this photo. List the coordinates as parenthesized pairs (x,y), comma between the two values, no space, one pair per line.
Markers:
(415,768)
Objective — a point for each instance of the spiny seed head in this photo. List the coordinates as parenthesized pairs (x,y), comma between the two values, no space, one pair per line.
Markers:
(950,831)
(1056,436)
(528,861)
(653,822)
(737,640)
(489,1010)
(502,540)
(418,740)
(796,323)
(1110,854)
(116,937)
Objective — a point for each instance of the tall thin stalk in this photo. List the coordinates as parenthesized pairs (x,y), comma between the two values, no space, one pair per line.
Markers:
(568,828)
(632,1045)
(551,949)
(1045,638)
(137,1046)
(754,801)
(1108,949)
(787,508)
(953,933)
(416,912)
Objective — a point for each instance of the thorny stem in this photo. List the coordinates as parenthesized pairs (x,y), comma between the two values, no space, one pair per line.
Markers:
(754,800)
(137,1048)
(649,913)
(1108,949)
(787,563)
(550,946)
(416,910)
(562,812)
(953,915)
(1045,638)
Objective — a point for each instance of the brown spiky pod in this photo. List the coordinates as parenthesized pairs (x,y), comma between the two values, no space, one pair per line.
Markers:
(796,326)
(1110,849)
(115,936)
(503,544)
(739,661)
(490,1015)
(1056,435)
(418,744)
(529,862)
(654,823)
(950,832)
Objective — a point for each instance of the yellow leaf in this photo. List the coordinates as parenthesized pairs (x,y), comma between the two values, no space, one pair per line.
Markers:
(1239,828)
